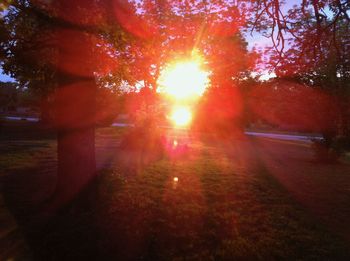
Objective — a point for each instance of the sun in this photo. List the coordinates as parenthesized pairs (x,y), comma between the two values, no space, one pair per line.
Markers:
(183,80)
(181,116)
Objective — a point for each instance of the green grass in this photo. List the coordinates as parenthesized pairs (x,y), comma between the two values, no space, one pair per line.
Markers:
(216,211)
(347,157)
(223,207)
(26,154)
(114,132)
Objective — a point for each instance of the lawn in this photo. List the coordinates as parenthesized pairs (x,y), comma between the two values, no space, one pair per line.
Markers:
(213,200)
(219,209)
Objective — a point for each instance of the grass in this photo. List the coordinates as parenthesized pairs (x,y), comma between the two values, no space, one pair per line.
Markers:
(347,157)
(216,211)
(25,154)
(226,205)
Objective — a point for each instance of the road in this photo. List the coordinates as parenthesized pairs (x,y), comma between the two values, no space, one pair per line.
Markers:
(17,118)
(305,138)
(278,136)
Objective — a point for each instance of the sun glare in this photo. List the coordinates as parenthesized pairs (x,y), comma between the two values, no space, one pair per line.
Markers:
(181,116)
(183,80)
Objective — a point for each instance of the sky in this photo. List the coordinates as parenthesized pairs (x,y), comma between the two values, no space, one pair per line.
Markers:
(5,78)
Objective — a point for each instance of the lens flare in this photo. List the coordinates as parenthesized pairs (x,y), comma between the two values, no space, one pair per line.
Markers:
(183,80)
(181,116)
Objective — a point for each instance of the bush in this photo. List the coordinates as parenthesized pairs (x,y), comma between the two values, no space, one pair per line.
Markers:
(330,150)
(145,138)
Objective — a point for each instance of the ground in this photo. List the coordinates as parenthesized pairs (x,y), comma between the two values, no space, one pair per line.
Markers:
(242,198)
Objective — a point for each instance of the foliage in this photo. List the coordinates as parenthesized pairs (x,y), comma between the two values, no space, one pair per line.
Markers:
(223,105)
(164,32)
(27,54)
(176,30)
(310,46)
(329,150)
(308,22)
(8,95)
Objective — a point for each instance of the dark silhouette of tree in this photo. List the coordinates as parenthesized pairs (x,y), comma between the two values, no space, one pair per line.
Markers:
(58,50)
(314,18)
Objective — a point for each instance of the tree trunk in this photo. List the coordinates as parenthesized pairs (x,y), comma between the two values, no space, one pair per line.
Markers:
(75,122)
(67,223)
(76,164)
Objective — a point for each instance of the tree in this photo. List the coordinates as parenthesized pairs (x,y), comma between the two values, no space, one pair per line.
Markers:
(326,68)
(8,96)
(310,45)
(58,50)
(282,25)
(184,30)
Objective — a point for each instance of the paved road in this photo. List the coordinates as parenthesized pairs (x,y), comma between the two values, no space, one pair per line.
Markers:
(304,138)
(16,118)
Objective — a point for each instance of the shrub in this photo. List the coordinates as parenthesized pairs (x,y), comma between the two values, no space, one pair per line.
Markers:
(330,150)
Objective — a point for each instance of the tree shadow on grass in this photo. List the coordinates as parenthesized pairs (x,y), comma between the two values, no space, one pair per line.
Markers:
(69,234)
(248,214)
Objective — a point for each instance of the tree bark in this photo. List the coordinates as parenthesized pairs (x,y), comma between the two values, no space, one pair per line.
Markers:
(75,102)
(68,213)
(76,164)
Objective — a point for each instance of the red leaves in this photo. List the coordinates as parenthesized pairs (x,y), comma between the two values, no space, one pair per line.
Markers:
(293,106)
(77,12)
(83,54)
(126,15)
(220,110)
(223,28)
(225,103)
